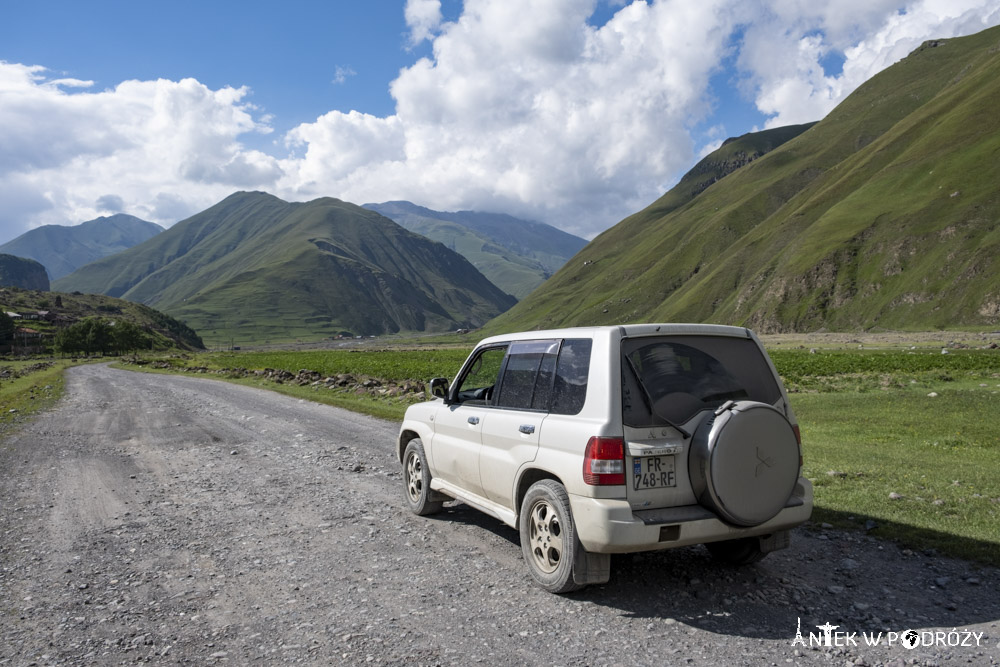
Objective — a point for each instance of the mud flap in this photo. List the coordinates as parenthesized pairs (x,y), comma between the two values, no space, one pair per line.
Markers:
(437,496)
(590,568)
(775,541)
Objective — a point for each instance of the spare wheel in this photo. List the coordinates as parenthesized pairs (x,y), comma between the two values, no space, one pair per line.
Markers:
(744,462)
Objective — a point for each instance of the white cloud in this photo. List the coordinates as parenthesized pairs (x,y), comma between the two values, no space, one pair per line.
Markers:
(783,51)
(423,18)
(141,140)
(546,117)
(523,107)
(342,73)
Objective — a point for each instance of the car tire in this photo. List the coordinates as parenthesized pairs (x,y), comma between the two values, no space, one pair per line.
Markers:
(736,552)
(417,480)
(548,536)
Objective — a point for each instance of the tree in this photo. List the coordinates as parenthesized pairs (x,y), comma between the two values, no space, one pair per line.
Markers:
(7,327)
(127,336)
(89,336)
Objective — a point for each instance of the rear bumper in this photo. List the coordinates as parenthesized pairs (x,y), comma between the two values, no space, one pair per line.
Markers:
(611,526)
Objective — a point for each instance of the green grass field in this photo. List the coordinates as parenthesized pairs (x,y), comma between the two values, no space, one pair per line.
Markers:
(869,423)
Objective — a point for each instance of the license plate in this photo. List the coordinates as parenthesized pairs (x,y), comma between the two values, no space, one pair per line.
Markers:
(653,472)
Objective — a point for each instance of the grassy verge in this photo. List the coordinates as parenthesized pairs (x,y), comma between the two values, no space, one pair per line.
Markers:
(912,466)
(884,454)
(28,387)
(387,366)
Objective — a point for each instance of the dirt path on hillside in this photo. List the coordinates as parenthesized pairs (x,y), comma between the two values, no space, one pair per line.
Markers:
(172,520)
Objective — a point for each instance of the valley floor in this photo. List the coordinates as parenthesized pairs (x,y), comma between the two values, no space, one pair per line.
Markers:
(173,519)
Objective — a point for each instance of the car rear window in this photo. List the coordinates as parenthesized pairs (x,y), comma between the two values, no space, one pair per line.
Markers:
(672,378)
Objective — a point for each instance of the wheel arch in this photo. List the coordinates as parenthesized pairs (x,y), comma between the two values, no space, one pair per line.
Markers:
(404,439)
(528,477)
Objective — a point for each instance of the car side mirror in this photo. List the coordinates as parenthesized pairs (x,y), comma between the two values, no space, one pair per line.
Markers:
(439,388)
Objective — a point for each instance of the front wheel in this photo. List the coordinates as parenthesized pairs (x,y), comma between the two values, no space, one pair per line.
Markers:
(417,480)
(548,536)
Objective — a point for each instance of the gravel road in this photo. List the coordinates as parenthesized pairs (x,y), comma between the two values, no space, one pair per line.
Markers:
(170,520)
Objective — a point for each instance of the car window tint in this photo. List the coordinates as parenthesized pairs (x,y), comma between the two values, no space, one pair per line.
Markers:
(683,375)
(477,382)
(543,383)
(572,373)
(527,377)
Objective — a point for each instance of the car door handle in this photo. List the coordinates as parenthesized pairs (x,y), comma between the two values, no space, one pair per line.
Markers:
(527,429)
(473,420)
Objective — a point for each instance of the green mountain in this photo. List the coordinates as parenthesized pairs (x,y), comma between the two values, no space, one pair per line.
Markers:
(254,268)
(516,255)
(22,272)
(884,214)
(62,250)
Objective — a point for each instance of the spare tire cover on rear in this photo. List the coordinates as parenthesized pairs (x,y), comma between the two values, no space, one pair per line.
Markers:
(744,462)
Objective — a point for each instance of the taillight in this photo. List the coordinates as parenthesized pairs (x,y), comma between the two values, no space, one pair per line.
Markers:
(604,461)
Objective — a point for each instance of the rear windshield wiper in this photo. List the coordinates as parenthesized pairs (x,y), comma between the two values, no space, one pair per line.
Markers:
(648,399)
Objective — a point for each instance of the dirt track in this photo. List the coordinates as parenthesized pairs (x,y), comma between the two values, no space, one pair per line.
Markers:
(175,520)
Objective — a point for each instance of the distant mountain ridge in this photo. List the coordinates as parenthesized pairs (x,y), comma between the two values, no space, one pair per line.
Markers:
(256,268)
(516,255)
(62,249)
(885,214)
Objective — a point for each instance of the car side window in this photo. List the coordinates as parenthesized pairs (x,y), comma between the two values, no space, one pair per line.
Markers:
(528,375)
(547,375)
(475,386)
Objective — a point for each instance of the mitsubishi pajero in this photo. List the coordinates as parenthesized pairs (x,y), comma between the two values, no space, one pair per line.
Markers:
(593,441)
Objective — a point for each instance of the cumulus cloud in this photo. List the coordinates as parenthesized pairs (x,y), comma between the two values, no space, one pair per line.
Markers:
(66,144)
(549,117)
(423,18)
(783,50)
(521,107)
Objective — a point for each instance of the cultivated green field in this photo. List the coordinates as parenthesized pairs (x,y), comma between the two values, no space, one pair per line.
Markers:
(884,454)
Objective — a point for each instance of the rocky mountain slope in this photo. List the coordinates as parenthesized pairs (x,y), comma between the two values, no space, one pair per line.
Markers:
(22,272)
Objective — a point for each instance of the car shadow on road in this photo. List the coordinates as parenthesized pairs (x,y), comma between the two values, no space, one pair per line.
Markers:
(827,576)
(844,578)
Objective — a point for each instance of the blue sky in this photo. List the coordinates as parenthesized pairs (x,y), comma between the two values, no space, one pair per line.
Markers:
(573,112)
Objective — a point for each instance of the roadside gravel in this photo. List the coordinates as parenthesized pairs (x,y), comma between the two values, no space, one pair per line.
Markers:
(176,520)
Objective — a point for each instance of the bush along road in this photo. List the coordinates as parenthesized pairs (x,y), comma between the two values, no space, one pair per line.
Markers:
(169,520)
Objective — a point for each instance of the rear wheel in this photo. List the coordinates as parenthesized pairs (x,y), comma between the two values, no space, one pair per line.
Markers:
(548,536)
(417,480)
(743,551)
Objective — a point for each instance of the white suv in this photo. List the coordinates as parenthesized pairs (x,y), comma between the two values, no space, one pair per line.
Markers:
(604,440)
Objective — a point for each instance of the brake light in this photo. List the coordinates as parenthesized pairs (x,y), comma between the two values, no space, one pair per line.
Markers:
(604,461)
